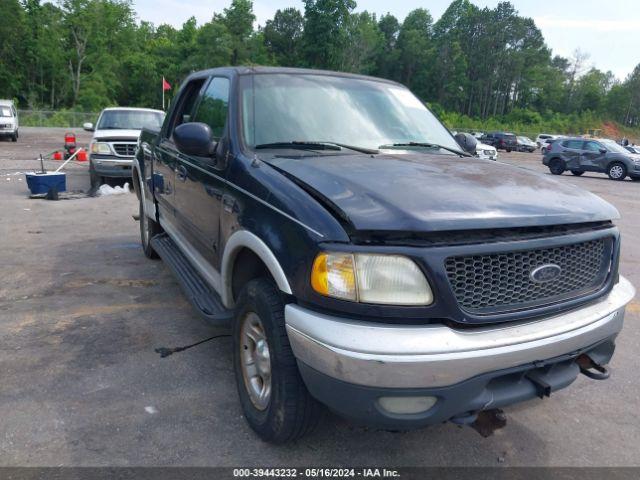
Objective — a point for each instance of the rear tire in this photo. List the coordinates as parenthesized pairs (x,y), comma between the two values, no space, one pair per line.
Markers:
(577,173)
(148,229)
(617,171)
(556,166)
(274,399)
(635,179)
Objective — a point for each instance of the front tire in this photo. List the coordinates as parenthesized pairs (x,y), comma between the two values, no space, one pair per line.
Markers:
(635,179)
(577,173)
(556,166)
(14,137)
(617,171)
(96,180)
(274,399)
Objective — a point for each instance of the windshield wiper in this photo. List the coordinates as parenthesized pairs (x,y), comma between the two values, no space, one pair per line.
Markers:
(309,145)
(428,145)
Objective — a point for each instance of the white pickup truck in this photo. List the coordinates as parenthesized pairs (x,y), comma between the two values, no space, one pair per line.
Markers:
(115,139)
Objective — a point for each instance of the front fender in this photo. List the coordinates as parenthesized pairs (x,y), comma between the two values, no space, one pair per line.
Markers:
(244,239)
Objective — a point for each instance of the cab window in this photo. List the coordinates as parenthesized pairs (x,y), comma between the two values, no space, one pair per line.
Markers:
(184,109)
(214,106)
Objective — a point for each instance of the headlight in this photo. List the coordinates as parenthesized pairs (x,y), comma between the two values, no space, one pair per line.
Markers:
(385,279)
(101,148)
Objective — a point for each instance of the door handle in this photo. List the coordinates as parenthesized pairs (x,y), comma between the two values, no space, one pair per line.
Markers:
(181,173)
(228,203)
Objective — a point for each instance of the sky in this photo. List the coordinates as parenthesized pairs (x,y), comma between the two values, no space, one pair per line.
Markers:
(608,30)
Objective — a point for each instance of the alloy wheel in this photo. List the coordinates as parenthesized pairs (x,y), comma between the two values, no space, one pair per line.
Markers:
(255,360)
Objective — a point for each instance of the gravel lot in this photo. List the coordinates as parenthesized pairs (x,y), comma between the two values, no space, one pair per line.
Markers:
(81,311)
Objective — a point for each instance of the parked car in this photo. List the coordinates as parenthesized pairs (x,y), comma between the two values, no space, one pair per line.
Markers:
(525,144)
(487,152)
(545,145)
(580,155)
(501,140)
(9,123)
(364,261)
(543,137)
(633,148)
(115,139)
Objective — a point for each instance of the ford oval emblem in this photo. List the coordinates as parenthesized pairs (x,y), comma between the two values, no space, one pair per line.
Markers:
(545,273)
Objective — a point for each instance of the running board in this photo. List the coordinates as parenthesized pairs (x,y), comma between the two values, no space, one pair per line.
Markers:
(205,300)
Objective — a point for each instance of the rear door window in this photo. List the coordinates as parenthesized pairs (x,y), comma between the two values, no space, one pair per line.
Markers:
(573,144)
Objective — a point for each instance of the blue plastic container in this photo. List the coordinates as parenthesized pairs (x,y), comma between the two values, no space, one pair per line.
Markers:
(41,183)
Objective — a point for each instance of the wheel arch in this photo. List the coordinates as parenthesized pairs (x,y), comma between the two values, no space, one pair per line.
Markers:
(245,246)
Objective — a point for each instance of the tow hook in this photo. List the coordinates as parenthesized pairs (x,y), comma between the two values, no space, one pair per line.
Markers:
(484,422)
(591,369)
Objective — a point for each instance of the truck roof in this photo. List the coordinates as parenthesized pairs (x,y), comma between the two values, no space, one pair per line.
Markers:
(136,109)
(245,70)
(6,102)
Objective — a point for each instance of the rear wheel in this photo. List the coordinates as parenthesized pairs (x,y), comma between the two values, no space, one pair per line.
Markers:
(635,179)
(148,229)
(556,166)
(273,396)
(617,171)
(577,173)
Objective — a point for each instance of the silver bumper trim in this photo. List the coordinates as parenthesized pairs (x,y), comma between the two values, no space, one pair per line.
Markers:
(401,356)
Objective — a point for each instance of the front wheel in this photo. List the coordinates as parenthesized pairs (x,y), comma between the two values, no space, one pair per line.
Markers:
(556,166)
(617,171)
(96,180)
(635,179)
(577,173)
(14,137)
(273,396)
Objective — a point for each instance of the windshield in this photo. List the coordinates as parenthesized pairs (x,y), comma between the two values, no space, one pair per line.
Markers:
(129,120)
(613,146)
(321,108)
(5,112)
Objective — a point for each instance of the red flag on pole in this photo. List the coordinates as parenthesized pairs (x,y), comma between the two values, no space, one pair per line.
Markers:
(165,85)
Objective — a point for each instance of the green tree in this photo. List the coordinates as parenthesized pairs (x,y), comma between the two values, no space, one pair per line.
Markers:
(283,36)
(238,19)
(325,31)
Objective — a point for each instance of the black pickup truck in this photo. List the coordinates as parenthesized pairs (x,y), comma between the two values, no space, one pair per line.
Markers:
(364,261)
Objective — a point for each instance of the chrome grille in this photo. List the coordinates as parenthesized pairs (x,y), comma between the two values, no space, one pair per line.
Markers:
(125,149)
(502,281)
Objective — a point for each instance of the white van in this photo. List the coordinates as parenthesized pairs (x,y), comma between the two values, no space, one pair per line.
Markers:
(8,120)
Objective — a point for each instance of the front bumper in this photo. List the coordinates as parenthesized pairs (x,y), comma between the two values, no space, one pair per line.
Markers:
(111,166)
(378,359)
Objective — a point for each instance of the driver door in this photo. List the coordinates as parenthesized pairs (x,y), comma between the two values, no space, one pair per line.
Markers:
(200,182)
(592,158)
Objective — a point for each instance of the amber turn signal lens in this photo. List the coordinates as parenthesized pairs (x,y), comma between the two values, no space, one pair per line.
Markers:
(333,275)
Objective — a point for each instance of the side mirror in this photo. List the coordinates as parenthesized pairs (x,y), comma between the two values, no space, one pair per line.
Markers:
(603,150)
(195,139)
(467,141)
(88,127)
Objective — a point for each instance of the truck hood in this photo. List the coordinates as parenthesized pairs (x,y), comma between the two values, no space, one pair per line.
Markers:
(425,193)
(119,134)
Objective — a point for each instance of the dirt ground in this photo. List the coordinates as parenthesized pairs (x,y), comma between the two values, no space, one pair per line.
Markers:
(82,310)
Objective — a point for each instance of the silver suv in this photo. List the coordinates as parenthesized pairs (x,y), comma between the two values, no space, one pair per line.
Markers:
(580,155)
(8,120)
